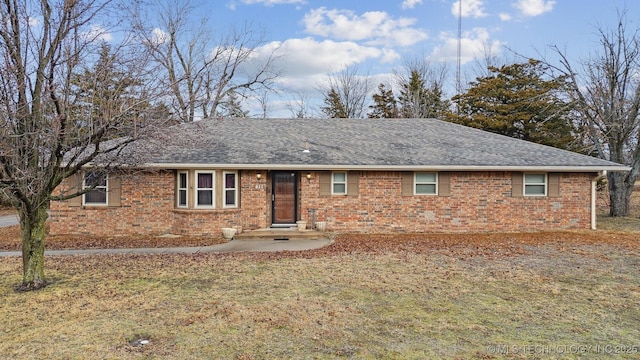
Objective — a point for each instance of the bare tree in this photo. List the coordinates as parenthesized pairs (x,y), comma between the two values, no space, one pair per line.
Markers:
(48,132)
(421,89)
(299,107)
(263,100)
(346,94)
(487,60)
(200,71)
(607,98)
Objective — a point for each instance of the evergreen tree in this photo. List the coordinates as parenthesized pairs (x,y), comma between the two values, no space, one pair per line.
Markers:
(519,101)
(334,108)
(346,94)
(435,106)
(417,100)
(385,105)
(104,89)
(231,107)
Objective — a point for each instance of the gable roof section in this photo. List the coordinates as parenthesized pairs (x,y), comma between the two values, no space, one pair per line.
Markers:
(366,144)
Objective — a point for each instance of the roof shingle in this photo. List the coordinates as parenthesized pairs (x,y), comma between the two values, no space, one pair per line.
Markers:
(358,143)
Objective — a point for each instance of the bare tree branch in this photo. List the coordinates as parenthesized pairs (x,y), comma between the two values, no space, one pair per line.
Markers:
(51,127)
(201,71)
(606,93)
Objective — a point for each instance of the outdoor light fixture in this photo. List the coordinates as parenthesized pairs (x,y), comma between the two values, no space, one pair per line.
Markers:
(259,176)
(309,176)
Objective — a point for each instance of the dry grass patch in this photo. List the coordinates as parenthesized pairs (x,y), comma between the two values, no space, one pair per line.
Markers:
(366,297)
(630,223)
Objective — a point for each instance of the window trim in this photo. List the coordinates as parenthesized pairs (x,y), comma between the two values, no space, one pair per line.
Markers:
(225,189)
(334,182)
(526,184)
(212,189)
(185,189)
(105,187)
(416,183)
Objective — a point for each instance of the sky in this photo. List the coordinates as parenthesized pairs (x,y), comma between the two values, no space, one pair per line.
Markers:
(317,38)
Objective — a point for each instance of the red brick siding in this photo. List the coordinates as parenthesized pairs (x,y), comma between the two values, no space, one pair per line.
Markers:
(148,207)
(147,201)
(478,201)
(255,200)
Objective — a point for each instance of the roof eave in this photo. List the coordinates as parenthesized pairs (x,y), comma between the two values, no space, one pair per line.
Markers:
(311,167)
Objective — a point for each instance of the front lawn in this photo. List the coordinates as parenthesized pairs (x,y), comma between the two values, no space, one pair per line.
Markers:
(490,296)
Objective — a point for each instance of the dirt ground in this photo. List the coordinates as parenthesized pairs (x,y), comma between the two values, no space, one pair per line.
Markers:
(490,244)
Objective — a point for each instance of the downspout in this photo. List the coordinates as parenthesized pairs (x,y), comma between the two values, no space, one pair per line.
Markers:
(594,182)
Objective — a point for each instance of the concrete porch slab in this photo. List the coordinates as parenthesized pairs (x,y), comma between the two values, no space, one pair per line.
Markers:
(279,233)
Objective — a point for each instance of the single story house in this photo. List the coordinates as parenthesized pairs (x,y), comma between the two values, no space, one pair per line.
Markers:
(356,175)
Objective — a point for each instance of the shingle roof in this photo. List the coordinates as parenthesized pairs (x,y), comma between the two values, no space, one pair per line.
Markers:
(357,144)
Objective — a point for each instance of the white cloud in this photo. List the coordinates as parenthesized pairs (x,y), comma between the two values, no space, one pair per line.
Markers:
(470,8)
(300,57)
(373,27)
(389,55)
(272,2)
(34,21)
(97,32)
(534,7)
(305,63)
(505,17)
(473,45)
(410,4)
(159,36)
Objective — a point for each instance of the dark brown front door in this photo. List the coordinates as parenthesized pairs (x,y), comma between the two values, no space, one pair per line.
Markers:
(284,197)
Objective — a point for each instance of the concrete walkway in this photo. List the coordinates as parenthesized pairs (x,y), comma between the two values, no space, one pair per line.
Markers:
(8,220)
(231,246)
(247,245)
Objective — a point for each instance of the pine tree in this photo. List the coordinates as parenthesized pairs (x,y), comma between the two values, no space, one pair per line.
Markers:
(385,105)
(417,100)
(231,107)
(334,108)
(101,89)
(519,101)
(410,96)
(435,106)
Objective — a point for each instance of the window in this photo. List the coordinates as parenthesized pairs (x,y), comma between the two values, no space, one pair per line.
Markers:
(339,183)
(98,194)
(204,189)
(183,185)
(230,189)
(535,184)
(426,183)
(207,189)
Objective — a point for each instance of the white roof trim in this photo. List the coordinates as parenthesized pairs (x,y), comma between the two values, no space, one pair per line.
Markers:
(388,167)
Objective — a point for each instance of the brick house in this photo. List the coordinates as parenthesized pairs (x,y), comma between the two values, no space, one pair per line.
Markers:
(361,175)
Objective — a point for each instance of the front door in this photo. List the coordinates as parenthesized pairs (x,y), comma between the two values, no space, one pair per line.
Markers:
(284,197)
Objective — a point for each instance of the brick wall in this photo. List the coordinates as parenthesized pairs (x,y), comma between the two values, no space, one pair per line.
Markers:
(478,201)
(147,206)
(146,201)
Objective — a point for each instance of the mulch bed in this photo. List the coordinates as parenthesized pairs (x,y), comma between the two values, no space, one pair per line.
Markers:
(487,244)
(10,240)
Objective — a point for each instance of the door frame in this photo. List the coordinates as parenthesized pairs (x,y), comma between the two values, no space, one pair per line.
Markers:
(295,175)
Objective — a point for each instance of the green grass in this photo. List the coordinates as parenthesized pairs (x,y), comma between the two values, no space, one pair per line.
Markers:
(393,305)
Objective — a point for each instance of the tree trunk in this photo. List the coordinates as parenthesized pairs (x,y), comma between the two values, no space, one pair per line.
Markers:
(619,193)
(33,224)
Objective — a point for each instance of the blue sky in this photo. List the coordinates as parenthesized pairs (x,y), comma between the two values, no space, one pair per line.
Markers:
(318,37)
